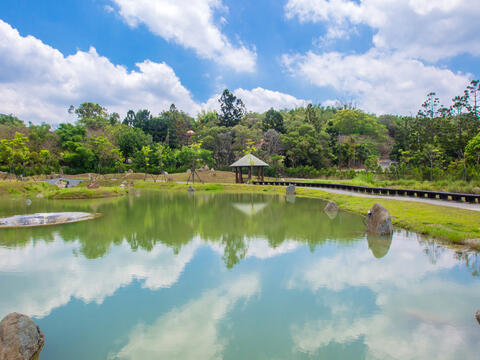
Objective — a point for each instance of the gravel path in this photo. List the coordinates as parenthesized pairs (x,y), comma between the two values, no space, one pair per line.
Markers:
(454,204)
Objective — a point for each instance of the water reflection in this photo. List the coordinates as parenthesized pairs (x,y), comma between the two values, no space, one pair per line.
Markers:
(421,314)
(174,220)
(379,245)
(236,276)
(192,330)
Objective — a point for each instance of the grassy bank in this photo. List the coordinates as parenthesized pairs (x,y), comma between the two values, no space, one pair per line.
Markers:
(452,225)
(45,190)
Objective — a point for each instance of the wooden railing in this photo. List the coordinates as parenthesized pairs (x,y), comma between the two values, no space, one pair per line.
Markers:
(470,198)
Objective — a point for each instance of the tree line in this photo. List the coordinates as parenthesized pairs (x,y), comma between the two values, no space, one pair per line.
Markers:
(307,141)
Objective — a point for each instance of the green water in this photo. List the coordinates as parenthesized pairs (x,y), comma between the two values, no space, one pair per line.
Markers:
(221,276)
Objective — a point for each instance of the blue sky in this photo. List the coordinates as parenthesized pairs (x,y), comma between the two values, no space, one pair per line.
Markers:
(384,56)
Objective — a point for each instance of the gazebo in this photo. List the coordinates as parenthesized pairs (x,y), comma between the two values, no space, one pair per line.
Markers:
(249,161)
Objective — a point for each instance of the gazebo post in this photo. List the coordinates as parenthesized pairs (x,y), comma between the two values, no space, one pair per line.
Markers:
(240,175)
(249,173)
(236,176)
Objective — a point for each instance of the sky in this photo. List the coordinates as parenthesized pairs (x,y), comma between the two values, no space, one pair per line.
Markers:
(384,56)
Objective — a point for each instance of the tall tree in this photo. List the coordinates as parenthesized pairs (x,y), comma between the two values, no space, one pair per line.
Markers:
(231,109)
(273,120)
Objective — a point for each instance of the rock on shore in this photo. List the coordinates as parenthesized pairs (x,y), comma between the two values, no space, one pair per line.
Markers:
(20,338)
(379,221)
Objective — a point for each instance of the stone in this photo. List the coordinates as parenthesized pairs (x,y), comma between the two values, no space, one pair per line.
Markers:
(130,171)
(477,316)
(331,207)
(290,190)
(124,184)
(20,338)
(191,189)
(39,196)
(93,185)
(62,184)
(379,221)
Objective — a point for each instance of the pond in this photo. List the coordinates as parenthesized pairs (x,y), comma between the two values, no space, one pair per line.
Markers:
(223,276)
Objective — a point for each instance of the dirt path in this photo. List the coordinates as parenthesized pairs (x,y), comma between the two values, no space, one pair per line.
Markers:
(454,204)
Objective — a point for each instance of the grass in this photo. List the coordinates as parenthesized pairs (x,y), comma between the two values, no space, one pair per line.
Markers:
(85,193)
(24,188)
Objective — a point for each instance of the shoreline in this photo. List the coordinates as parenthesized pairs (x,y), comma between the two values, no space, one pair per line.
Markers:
(450,225)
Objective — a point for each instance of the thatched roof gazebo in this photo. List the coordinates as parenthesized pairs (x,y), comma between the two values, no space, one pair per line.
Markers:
(249,161)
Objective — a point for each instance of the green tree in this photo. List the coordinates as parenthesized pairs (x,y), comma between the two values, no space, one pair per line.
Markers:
(15,154)
(273,120)
(472,151)
(231,109)
(92,116)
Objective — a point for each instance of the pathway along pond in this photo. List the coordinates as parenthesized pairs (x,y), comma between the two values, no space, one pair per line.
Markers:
(222,276)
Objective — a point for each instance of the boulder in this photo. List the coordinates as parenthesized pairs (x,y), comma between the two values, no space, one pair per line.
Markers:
(20,338)
(477,316)
(379,221)
(93,185)
(130,171)
(331,207)
(290,190)
(124,184)
(62,184)
(191,189)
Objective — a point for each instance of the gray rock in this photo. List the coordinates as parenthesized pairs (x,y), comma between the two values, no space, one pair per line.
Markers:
(379,221)
(477,316)
(20,338)
(191,189)
(331,207)
(290,190)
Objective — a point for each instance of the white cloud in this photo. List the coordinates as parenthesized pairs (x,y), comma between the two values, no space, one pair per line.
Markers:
(38,83)
(259,100)
(191,24)
(420,312)
(191,331)
(424,29)
(48,276)
(381,82)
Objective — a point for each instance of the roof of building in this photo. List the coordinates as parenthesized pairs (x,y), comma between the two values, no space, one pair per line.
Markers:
(249,160)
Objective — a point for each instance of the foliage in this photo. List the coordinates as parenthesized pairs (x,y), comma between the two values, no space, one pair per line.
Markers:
(231,109)
(439,142)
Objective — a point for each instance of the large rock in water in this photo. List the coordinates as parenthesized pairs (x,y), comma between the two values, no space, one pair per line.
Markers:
(477,316)
(331,207)
(379,221)
(20,338)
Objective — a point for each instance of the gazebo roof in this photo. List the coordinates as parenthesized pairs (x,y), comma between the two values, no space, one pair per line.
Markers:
(249,160)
